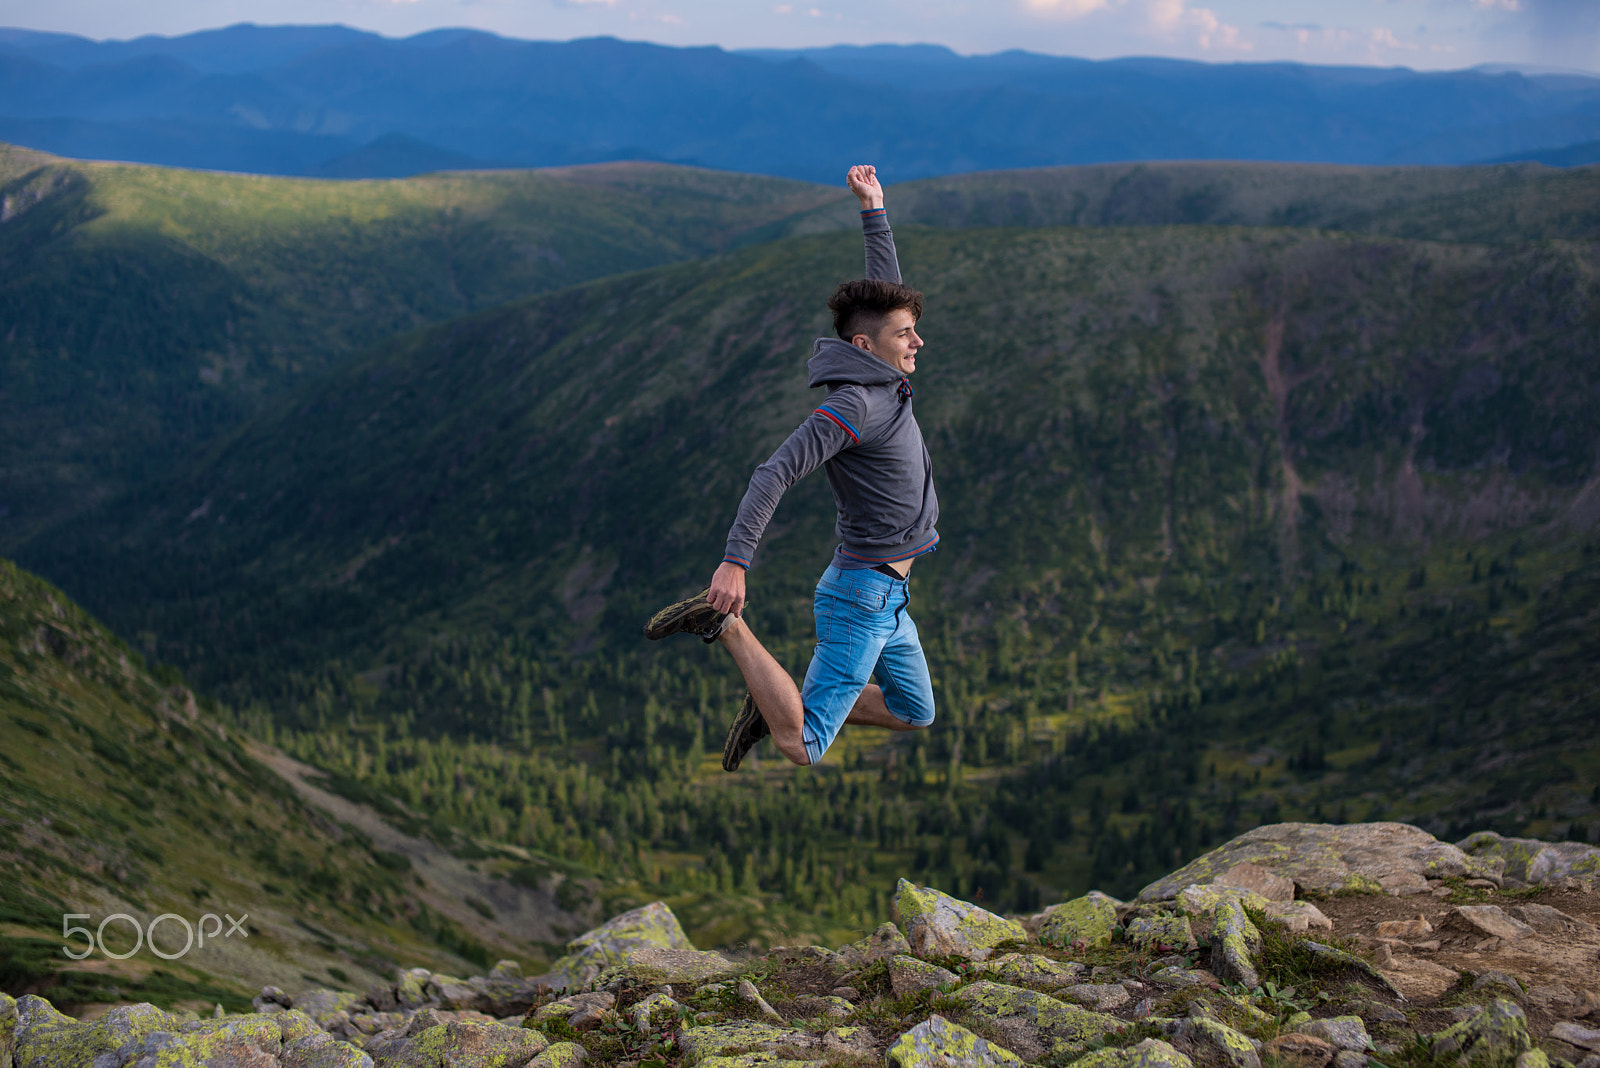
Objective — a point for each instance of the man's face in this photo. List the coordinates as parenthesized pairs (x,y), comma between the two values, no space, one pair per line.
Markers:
(896,343)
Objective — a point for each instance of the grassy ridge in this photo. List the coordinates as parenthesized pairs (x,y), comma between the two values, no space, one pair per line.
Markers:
(1208,495)
(123,794)
(150,309)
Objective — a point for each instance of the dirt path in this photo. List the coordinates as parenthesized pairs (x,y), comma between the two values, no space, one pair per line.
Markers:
(525,919)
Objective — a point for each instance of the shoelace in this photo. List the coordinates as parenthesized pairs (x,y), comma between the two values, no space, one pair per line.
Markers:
(904,389)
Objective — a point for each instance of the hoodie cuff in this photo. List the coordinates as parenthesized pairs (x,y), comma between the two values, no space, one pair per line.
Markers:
(875,220)
(731,558)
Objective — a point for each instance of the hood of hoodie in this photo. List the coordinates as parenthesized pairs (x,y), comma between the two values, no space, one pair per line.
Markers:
(833,360)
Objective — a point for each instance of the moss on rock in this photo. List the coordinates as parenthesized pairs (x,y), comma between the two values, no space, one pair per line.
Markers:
(1061,1027)
(1492,1038)
(1089,919)
(938,1043)
(1151,1053)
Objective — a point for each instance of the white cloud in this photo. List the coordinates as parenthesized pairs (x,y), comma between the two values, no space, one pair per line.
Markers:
(1069,8)
(1503,5)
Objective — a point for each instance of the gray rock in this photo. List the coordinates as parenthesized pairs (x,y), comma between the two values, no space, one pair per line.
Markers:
(1151,1053)
(322,1051)
(1213,1041)
(1089,919)
(938,1043)
(614,942)
(1039,1020)
(907,974)
(462,1043)
(885,942)
(1258,880)
(1234,944)
(1492,981)
(1349,1059)
(411,988)
(1329,859)
(1101,997)
(582,1012)
(1534,862)
(1491,921)
(1577,1035)
(1493,1037)
(1341,1032)
(8,1029)
(646,1012)
(748,993)
(1553,923)
(560,1055)
(1035,973)
(271,995)
(700,1043)
(940,925)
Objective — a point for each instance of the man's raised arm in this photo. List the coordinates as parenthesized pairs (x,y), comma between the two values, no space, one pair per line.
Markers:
(882,263)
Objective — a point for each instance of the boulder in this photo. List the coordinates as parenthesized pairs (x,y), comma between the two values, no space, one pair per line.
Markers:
(1035,973)
(1300,917)
(323,1005)
(1258,880)
(1331,859)
(8,1029)
(750,995)
(1490,921)
(651,1011)
(938,925)
(1089,919)
(1529,860)
(614,942)
(582,1012)
(1577,1035)
(1213,1042)
(1047,1024)
(560,1055)
(671,967)
(1151,1053)
(460,1043)
(322,1050)
(938,1043)
(411,988)
(908,975)
(1307,1051)
(1101,997)
(1199,901)
(1553,923)
(1492,1037)
(1340,1032)
(700,1043)
(46,1038)
(1234,944)
(881,944)
(1163,932)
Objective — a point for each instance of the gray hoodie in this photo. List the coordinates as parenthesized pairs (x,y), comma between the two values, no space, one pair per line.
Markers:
(867,439)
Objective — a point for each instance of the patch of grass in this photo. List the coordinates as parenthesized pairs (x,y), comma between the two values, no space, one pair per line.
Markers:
(1462,894)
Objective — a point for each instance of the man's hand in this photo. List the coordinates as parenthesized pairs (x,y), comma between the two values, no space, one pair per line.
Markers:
(863,182)
(727,589)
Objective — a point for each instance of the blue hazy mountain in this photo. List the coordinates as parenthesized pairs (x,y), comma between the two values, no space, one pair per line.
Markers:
(331,100)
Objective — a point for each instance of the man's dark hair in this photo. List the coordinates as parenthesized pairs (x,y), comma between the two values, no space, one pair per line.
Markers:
(860,307)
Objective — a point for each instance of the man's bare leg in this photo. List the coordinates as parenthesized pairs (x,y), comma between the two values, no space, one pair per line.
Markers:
(871,710)
(776,695)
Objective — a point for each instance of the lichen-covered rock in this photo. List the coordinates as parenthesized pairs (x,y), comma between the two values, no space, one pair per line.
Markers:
(411,988)
(246,1041)
(1199,902)
(939,925)
(1035,973)
(8,1029)
(1213,1041)
(750,995)
(47,1038)
(938,1043)
(714,1040)
(1257,880)
(652,1011)
(560,1055)
(323,1005)
(1234,944)
(908,975)
(614,942)
(1490,921)
(1493,1037)
(1532,861)
(1340,1032)
(1331,859)
(756,1059)
(1055,1025)
(1575,1034)
(269,996)
(322,1050)
(1088,919)
(885,942)
(667,966)
(1349,1058)
(582,1012)
(1334,955)
(1162,933)
(459,1043)
(1151,1053)
(1101,997)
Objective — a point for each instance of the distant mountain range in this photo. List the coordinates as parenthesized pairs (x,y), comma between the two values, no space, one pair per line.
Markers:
(337,102)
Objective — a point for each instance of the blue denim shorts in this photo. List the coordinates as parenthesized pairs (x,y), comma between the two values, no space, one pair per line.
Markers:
(863,629)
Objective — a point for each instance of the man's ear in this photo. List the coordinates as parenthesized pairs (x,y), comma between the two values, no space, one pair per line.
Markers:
(862,341)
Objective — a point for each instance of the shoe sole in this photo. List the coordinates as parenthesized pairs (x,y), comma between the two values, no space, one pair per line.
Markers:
(748,728)
(691,616)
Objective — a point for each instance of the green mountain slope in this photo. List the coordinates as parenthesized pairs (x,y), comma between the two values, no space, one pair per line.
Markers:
(1486,205)
(148,309)
(123,795)
(1239,525)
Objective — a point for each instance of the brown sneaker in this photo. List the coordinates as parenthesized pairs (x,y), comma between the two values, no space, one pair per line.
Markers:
(749,727)
(693,616)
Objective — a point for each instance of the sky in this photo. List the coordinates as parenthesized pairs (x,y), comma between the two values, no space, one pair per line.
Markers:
(1423,34)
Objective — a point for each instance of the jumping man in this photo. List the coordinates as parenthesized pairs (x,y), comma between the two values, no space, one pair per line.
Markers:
(865,436)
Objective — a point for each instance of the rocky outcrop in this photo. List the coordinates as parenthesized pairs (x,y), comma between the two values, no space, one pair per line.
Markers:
(1326,859)
(1208,969)
(1528,860)
(938,925)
